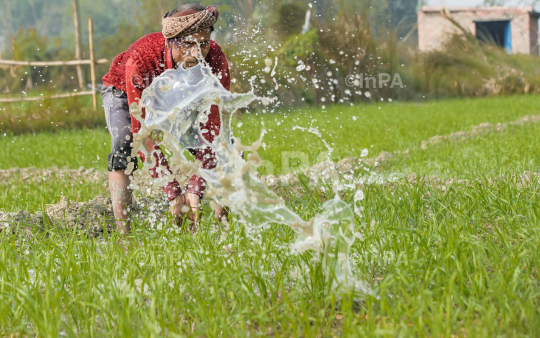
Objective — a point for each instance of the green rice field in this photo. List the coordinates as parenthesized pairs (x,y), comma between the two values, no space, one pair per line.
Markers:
(448,248)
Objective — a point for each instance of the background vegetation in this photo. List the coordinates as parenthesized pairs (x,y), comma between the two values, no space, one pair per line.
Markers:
(265,41)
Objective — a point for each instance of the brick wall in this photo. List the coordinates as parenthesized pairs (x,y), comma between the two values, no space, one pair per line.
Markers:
(434,29)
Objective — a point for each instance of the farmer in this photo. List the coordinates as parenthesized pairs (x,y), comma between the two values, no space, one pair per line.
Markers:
(183,42)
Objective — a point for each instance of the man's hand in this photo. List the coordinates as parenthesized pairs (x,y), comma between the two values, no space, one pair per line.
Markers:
(186,207)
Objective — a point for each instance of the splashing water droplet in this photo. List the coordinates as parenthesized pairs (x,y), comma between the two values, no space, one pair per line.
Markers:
(234,182)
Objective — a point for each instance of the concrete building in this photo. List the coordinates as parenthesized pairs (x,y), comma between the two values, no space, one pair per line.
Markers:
(513,28)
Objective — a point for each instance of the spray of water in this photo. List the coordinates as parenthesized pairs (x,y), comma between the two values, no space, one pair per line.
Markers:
(176,104)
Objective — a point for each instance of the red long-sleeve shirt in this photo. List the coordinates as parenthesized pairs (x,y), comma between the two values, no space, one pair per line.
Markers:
(133,70)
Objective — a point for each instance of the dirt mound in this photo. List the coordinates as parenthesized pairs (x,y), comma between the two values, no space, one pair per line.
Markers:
(141,180)
(521,180)
(329,171)
(480,129)
(94,216)
(36,175)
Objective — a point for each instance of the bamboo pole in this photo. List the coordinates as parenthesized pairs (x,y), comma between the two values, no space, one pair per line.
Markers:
(9,19)
(92,63)
(77,41)
(51,63)
(37,98)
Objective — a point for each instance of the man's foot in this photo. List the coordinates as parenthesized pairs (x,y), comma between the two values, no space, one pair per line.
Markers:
(123,226)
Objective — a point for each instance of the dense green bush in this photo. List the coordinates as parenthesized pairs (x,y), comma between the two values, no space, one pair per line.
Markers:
(467,67)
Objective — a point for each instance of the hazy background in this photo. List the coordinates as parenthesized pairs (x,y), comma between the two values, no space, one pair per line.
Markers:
(343,38)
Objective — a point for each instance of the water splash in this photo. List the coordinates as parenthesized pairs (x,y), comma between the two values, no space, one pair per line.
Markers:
(176,104)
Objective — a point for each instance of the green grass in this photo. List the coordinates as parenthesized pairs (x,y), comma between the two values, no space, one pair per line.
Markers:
(378,127)
(512,151)
(71,148)
(459,261)
(50,115)
(34,195)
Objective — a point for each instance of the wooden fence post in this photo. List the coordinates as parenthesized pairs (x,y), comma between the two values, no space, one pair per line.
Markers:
(77,41)
(92,60)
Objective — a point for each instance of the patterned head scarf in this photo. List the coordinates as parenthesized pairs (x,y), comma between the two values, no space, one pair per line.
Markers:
(188,22)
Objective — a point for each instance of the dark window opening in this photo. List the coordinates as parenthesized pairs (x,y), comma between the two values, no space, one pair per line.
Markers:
(496,32)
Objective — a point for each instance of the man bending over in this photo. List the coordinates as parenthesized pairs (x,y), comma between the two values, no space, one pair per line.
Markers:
(183,42)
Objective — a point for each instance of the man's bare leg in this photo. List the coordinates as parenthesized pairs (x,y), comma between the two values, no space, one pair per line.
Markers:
(121,196)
